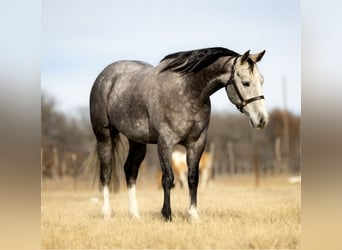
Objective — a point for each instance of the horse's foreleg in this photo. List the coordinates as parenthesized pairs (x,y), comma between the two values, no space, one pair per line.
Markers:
(105,153)
(135,156)
(165,152)
(194,152)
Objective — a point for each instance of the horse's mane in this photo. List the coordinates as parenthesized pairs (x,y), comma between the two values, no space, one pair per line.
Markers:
(193,61)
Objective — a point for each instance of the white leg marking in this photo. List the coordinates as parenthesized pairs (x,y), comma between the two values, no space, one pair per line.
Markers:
(192,211)
(133,204)
(106,209)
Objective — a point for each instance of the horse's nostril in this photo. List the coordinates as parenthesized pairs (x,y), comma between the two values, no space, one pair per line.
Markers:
(262,123)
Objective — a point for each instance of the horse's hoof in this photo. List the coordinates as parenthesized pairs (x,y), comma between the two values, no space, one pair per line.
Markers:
(193,215)
(167,215)
(167,218)
(135,216)
(107,216)
(107,213)
(194,220)
(134,213)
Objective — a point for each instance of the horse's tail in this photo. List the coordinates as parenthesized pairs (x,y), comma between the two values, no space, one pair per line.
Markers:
(92,165)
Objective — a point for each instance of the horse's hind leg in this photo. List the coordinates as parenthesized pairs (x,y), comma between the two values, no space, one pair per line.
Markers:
(105,153)
(135,156)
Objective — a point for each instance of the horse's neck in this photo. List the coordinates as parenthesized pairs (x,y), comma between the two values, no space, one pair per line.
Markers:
(212,86)
(213,78)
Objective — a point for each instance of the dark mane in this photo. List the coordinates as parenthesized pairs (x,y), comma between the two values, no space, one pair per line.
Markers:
(195,60)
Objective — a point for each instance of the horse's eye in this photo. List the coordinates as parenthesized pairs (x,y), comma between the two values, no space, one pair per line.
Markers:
(246,84)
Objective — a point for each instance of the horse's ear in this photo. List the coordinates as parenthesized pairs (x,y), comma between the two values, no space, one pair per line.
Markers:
(245,56)
(257,57)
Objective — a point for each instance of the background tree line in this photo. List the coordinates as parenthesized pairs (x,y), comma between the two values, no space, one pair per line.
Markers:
(67,141)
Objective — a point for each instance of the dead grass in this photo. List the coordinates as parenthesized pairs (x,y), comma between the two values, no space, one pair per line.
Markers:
(234,216)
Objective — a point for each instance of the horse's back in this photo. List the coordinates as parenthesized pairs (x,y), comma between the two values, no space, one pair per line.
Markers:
(112,90)
(115,71)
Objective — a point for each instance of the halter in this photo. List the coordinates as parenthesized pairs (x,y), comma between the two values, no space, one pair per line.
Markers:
(243,102)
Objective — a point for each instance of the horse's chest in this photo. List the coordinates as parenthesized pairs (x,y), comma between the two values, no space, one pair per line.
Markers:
(197,129)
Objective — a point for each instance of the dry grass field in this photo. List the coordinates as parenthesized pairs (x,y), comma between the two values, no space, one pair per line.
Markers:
(234,215)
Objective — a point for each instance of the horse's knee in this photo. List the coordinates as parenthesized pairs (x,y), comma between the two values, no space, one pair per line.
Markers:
(193,178)
(167,181)
(193,184)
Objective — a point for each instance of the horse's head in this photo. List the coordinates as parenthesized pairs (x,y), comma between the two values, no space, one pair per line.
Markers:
(244,88)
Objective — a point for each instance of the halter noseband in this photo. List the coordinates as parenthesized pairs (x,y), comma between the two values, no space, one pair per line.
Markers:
(243,102)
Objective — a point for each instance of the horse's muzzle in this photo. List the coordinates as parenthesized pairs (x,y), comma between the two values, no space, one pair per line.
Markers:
(260,124)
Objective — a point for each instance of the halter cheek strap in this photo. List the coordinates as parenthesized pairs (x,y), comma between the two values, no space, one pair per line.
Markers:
(243,101)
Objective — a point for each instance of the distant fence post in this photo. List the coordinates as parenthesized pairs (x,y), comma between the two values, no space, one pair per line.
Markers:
(278,161)
(55,166)
(256,165)
(75,170)
(231,158)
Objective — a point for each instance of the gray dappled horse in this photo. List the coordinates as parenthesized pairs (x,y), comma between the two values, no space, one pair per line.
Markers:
(166,105)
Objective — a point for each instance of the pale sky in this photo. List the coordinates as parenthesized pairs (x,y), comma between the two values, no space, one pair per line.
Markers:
(80,38)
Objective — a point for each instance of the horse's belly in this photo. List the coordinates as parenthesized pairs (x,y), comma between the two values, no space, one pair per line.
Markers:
(135,129)
(139,131)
